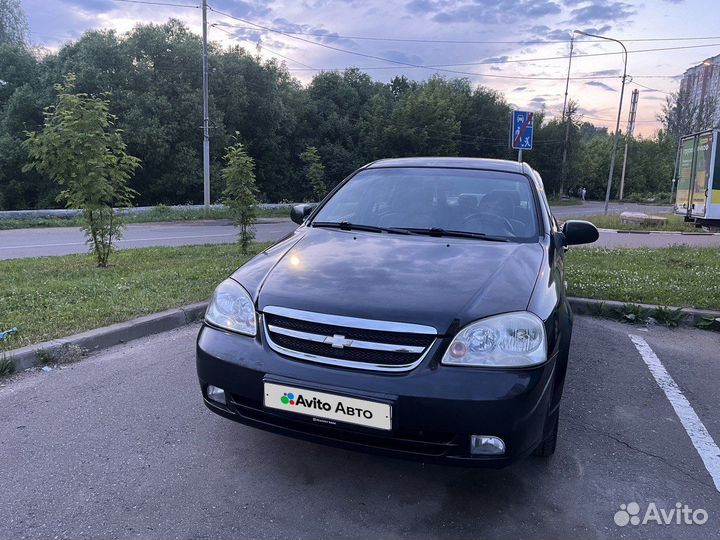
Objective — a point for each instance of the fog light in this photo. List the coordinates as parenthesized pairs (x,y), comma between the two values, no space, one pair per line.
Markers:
(486,445)
(216,394)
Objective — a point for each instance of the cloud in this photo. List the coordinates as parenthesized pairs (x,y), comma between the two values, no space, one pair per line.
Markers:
(248,34)
(400,56)
(599,84)
(598,30)
(242,8)
(602,11)
(423,6)
(605,73)
(483,11)
(519,88)
(545,32)
(95,6)
(496,59)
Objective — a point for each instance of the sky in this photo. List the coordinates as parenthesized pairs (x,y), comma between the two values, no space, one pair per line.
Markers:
(504,53)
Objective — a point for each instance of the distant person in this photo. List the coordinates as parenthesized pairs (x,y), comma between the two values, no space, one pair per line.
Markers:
(583,192)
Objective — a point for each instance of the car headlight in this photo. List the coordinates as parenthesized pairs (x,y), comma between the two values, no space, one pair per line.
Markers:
(232,308)
(509,340)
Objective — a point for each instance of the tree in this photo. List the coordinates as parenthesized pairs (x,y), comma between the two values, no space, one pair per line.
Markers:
(79,149)
(314,172)
(681,115)
(13,24)
(240,194)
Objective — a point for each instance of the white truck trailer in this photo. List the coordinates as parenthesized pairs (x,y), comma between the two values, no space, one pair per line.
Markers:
(697,197)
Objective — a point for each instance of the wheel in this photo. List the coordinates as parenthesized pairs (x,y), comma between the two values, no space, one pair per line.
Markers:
(547,447)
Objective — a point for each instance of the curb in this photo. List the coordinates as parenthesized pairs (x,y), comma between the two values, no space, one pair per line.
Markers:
(674,233)
(102,338)
(588,306)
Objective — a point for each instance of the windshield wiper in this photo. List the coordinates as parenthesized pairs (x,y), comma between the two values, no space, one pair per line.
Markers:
(347,226)
(436,231)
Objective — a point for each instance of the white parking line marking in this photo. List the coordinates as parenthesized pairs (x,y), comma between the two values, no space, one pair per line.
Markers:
(696,430)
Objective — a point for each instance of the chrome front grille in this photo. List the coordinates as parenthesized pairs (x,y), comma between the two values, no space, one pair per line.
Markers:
(347,341)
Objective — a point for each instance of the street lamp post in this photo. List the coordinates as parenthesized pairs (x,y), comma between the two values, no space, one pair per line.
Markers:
(617,125)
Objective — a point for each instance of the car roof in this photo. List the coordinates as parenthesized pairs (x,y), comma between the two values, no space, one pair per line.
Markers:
(451,162)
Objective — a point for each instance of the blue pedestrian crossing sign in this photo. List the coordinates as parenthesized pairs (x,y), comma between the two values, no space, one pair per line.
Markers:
(522,130)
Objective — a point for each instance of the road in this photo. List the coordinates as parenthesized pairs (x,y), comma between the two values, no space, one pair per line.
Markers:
(592,208)
(120,446)
(39,242)
(22,243)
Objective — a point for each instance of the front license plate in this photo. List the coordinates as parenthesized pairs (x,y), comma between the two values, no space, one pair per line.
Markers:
(329,407)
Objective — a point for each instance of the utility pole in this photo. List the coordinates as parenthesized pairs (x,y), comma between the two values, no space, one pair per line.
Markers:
(206,119)
(563,175)
(628,135)
(617,124)
(617,136)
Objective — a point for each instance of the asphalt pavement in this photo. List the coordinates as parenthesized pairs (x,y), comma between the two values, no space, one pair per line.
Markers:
(120,446)
(40,242)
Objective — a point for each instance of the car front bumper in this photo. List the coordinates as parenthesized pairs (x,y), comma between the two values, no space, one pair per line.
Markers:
(435,408)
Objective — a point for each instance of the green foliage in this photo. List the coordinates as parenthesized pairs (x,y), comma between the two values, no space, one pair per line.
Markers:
(314,172)
(612,221)
(240,195)
(682,115)
(602,310)
(52,297)
(635,314)
(350,119)
(13,24)
(7,338)
(79,149)
(674,276)
(709,323)
(668,316)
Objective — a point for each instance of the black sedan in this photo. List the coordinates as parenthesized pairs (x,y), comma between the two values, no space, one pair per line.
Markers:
(418,311)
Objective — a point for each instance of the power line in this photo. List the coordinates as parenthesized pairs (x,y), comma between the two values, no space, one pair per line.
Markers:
(265,48)
(397,62)
(651,89)
(333,35)
(485,62)
(149,2)
(613,119)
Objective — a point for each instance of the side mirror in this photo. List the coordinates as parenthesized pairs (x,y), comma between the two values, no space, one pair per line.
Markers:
(299,212)
(579,232)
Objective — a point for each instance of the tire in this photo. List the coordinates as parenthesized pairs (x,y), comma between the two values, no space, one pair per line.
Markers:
(547,447)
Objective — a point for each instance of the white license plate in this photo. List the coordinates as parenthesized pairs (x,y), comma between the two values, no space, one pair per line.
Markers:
(328,408)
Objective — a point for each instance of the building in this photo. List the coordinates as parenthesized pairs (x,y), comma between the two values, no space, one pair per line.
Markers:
(702,84)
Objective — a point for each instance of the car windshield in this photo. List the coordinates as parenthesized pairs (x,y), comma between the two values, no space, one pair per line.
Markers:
(443,202)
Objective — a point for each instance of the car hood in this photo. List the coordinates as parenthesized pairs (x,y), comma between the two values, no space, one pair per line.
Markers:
(416,279)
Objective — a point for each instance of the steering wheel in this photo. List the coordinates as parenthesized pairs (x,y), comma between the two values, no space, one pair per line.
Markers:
(486,217)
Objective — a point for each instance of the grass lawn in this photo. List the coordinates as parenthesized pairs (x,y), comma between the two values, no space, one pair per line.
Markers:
(157,214)
(53,297)
(612,221)
(565,202)
(677,276)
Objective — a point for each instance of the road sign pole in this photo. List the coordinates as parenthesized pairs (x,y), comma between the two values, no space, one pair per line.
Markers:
(521,132)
